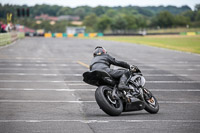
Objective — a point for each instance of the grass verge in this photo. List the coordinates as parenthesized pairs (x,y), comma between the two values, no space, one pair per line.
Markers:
(175,42)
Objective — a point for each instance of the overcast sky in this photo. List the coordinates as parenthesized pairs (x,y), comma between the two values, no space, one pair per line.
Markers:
(93,3)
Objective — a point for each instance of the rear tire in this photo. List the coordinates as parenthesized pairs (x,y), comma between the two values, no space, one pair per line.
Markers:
(105,102)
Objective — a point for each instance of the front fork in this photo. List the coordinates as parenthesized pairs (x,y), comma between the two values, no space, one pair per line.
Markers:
(114,93)
(140,94)
(143,94)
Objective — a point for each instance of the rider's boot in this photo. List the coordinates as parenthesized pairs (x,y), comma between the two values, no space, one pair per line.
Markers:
(122,83)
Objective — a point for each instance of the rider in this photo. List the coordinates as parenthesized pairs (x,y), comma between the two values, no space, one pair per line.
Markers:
(102,61)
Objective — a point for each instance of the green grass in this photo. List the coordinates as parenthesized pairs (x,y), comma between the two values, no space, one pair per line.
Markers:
(173,30)
(175,42)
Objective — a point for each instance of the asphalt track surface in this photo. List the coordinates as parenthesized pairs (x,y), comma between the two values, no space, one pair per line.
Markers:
(41,88)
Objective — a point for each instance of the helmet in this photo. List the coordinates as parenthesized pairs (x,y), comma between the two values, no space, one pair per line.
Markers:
(99,51)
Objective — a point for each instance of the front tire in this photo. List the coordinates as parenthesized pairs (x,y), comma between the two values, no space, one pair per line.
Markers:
(151,103)
(106,103)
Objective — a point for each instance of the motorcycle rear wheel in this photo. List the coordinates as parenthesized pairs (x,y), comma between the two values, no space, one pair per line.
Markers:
(110,106)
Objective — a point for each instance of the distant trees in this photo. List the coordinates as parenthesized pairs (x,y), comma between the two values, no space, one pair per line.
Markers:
(45,9)
(197,17)
(103,23)
(189,14)
(64,11)
(164,19)
(80,11)
(90,22)
(103,18)
(181,21)
(197,7)
(119,23)
(99,10)
(167,20)
(131,22)
(111,13)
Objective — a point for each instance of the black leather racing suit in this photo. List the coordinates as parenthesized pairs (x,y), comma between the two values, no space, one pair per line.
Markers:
(103,62)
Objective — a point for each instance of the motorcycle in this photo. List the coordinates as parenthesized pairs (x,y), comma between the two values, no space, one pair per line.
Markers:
(113,101)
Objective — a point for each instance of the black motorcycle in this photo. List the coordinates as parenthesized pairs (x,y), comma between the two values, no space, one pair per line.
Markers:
(113,101)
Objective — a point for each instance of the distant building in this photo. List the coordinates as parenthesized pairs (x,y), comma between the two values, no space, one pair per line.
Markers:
(21,28)
(52,18)
(26,30)
(46,17)
(75,30)
(69,17)
(78,23)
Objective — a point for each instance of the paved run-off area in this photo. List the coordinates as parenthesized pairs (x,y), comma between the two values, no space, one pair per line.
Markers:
(41,88)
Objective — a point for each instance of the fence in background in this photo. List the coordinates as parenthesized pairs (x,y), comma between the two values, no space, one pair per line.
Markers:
(60,35)
(190,33)
(7,38)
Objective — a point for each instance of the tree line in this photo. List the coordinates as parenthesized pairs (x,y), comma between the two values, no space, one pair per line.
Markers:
(103,18)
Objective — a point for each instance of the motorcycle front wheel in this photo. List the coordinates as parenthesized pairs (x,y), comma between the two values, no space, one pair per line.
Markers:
(110,106)
(151,103)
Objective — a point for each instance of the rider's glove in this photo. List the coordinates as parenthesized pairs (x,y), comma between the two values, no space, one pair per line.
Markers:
(133,68)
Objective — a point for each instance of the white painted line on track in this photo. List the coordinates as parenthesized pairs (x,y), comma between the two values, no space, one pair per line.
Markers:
(43,101)
(167,65)
(36,59)
(173,90)
(38,81)
(70,61)
(33,89)
(171,75)
(59,101)
(171,69)
(39,89)
(38,69)
(38,65)
(75,64)
(39,74)
(172,81)
(102,121)
(5,61)
(52,60)
(50,69)
(179,102)
(80,82)
(80,75)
